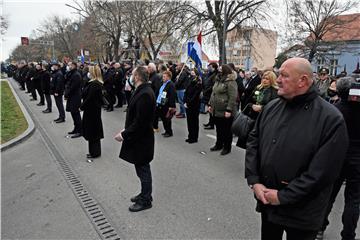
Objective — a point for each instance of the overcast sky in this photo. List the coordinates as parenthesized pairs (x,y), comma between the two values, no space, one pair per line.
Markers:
(25,16)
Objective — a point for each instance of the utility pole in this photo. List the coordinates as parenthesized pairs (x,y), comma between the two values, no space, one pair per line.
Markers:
(224,34)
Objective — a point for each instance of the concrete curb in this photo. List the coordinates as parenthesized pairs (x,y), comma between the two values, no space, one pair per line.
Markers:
(31,126)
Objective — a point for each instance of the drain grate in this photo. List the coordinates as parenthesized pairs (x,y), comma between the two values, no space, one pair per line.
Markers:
(92,208)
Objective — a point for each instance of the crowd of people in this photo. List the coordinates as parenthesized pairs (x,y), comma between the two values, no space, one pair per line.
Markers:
(304,145)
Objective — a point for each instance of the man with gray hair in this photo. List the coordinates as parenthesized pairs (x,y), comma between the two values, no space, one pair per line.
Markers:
(138,137)
(294,154)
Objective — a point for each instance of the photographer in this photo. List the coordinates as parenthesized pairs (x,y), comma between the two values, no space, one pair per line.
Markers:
(349,106)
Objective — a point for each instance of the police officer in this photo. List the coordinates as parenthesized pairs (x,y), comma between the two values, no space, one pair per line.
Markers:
(323,82)
(57,89)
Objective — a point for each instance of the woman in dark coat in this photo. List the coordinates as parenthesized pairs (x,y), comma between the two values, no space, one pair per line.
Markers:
(92,129)
(192,105)
(138,137)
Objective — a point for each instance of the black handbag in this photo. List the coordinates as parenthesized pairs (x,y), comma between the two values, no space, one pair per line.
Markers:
(241,127)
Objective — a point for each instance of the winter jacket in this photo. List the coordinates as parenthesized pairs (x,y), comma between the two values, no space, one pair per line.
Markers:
(223,97)
(297,147)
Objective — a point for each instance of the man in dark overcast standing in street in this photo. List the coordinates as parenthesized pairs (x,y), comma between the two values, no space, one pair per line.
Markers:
(138,137)
(294,155)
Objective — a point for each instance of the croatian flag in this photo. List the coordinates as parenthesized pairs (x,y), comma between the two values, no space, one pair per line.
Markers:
(82,56)
(195,52)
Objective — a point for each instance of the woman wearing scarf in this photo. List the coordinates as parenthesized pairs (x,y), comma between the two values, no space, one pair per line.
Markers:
(165,103)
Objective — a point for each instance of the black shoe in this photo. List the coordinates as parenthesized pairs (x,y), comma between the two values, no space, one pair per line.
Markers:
(163,133)
(109,110)
(166,135)
(209,127)
(138,206)
(187,140)
(192,141)
(61,120)
(33,99)
(137,198)
(22,89)
(72,132)
(57,119)
(91,156)
(206,124)
(47,111)
(215,148)
(40,104)
(225,151)
(76,135)
(118,106)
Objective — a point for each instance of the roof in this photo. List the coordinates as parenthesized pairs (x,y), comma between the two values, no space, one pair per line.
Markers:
(349,30)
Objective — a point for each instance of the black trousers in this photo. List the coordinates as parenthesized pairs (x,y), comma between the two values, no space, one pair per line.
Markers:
(271,231)
(119,95)
(211,120)
(60,106)
(48,101)
(32,89)
(166,121)
(128,96)
(95,148)
(77,121)
(351,175)
(41,94)
(224,135)
(192,118)
(144,174)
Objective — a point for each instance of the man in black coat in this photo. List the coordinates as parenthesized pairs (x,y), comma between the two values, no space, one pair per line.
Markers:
(57,89)
(138,137)
(119,84)
(294,154)
(37,84)
(22,74)
(156,82)
(73,97)
(109,86)
(45,86)
(249,87)
(351,170)
(30,81)
(181,83)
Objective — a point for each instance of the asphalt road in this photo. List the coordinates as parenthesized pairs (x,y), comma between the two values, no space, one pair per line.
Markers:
(197,193)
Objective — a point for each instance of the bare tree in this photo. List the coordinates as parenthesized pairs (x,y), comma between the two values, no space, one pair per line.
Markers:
(311,20)
(4,24)
(155,22)
(221,19)
(107,20)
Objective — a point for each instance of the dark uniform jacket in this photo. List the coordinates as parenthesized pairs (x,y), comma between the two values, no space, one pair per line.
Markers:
(208,86)
(249,88)
(57,83)
(73,90)
(182,80)
(298,148)
(45,82)
(192,95)
(92,101)
(138,144)
(156,82)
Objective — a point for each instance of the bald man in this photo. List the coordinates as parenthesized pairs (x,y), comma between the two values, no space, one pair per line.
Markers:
(294,155)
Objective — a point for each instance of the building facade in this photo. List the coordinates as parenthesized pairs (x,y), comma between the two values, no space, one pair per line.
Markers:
(251,47)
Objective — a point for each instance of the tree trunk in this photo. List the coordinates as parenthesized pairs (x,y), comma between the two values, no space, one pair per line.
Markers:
(219,32)
(116,49)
